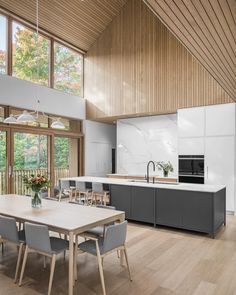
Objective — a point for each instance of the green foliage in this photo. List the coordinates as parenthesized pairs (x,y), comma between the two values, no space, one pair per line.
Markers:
(31,61)
(61,152)
(3,158)
(165,167)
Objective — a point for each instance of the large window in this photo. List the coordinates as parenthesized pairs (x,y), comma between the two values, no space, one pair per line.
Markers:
(67,69)
(44,61)
(3,45)
(30,58)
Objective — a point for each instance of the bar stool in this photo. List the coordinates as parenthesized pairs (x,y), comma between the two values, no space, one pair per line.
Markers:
(82,191)
(99,192)
(66,190)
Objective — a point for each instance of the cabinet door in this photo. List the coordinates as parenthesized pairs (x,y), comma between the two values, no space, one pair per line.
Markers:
(121,198)
(191,122)
(191,146)
(219,165)
(220,119)
(142,204)
(197,211)
(168,207)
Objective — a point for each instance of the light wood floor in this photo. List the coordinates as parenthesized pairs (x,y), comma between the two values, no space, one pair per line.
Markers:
(163,262)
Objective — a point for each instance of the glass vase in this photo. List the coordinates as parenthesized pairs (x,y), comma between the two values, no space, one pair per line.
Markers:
(36,199)
(165,173)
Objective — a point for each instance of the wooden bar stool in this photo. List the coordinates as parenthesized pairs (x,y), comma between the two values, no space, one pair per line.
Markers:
(82,192)
(98,193)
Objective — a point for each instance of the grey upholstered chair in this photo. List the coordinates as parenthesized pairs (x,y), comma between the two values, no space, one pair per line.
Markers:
(9,233)
(82,192)
(38,240)
(99,230)
(99,192)
(113,240)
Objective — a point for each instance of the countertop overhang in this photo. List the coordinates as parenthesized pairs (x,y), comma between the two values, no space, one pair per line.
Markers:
(128,182)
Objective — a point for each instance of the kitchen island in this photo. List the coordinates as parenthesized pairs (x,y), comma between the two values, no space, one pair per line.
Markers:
(196,207)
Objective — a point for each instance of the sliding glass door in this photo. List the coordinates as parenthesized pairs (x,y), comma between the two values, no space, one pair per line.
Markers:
(3,163)
(66,157)
(30,156)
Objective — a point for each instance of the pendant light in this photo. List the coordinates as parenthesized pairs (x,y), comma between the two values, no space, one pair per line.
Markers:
(30,117)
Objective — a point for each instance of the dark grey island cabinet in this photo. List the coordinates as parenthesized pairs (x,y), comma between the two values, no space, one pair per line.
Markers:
(187,209)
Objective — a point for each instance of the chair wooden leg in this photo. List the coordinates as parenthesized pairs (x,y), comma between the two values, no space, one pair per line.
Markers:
(18,262)
(51,273)
(127,262)
(75,259)
(44,262)
(23,265)
(100,268)
(118,253)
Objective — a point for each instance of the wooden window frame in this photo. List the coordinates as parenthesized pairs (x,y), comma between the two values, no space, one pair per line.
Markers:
(52,39)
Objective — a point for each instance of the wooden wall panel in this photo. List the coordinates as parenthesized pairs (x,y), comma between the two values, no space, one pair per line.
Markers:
(137,67)
(208,30)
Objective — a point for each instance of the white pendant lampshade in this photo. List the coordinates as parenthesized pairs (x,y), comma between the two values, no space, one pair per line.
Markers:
(58,124)
(25,117)
(10,120)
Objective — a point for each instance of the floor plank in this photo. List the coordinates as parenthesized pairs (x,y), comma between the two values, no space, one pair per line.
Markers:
(163,262)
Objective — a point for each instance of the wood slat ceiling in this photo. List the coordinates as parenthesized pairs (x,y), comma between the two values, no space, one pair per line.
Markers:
(207,28)
(78,22)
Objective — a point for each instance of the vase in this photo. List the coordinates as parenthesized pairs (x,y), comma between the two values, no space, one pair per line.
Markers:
(36,199)
(165,173)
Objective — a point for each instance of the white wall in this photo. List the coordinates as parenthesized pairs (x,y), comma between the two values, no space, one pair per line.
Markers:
(22,94)
(100,138)
(148,138)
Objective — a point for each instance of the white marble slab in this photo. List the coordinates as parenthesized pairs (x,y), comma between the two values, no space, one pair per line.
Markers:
(140,140)
(177,186)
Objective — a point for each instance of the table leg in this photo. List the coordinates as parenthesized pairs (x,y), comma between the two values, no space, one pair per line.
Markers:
(71,263)
(121,251)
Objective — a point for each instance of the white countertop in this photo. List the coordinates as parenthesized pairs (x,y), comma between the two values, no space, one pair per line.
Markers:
(176,186)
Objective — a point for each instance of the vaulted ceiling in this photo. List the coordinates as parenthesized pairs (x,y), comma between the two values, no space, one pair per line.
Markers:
(207,28)
(79,22)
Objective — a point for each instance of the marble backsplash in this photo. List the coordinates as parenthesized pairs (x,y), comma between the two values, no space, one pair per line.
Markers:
(148,138)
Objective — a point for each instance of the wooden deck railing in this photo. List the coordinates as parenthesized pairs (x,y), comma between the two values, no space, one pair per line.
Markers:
(19,187)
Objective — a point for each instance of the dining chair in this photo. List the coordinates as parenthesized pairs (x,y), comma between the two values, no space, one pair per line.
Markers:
(99,192)
(99,231)
(113,240)
(9,233)
(82,190)
(39,241)
(66,190)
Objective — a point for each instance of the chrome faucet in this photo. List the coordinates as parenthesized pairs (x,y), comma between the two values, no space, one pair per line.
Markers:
(148,164)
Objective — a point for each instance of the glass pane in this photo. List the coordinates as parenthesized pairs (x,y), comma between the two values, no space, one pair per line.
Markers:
(30,60)
(66,157)
(3,163)
(30,157)
(67,70)
(3,45)
(1,114)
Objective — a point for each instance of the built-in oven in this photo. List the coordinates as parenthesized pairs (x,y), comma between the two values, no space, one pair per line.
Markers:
(191,168)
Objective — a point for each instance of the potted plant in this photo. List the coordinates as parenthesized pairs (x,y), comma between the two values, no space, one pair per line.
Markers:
(165,167)
(36,183)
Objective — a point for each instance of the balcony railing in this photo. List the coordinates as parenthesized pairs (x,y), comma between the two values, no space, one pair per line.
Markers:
(19,187)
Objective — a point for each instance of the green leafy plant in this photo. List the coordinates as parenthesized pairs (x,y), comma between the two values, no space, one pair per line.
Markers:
(165,167)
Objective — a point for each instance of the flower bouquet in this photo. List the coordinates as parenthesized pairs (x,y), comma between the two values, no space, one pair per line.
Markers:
(36,183)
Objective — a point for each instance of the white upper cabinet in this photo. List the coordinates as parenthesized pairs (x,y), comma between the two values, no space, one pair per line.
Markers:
(191,122)
(220,119)
(191,146)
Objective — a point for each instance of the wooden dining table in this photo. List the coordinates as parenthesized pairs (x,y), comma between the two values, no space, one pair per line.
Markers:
(61,217)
